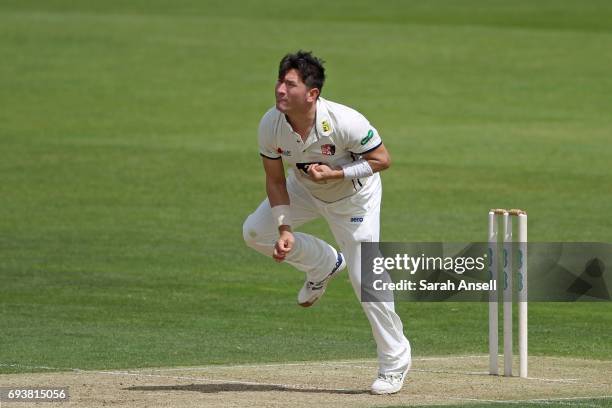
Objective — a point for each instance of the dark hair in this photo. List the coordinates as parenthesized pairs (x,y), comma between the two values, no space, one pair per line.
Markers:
(310,68)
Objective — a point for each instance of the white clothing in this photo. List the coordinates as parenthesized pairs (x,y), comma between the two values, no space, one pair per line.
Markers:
(351,209)
(340,136)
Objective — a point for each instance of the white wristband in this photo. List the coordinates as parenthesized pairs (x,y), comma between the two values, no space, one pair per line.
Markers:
(281,215)
(357,169)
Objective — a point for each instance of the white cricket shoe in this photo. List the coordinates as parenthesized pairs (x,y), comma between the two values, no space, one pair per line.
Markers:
(389,383)
(312,291)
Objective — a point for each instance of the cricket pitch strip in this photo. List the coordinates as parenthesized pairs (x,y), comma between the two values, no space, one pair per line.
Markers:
(432,380)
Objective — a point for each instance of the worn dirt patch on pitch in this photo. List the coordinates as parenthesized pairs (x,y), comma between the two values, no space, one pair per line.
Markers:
(436,380)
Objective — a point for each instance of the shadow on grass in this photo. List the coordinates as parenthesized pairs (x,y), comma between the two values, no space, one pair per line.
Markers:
(238,387)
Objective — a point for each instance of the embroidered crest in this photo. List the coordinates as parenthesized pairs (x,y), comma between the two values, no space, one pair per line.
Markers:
(328,149)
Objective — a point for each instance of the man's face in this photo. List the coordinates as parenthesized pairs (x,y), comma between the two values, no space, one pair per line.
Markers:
(292,94)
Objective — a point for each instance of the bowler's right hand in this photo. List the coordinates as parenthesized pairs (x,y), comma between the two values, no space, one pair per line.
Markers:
(283,245)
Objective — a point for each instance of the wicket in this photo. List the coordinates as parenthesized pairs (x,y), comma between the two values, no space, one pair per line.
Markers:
(507,285)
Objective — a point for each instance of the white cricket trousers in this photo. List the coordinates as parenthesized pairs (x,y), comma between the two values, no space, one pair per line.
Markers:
(352,220)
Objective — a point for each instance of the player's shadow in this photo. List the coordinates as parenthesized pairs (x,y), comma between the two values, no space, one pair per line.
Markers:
(238,387)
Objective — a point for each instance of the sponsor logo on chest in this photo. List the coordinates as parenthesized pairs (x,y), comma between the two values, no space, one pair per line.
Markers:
(325,126)
(356,220)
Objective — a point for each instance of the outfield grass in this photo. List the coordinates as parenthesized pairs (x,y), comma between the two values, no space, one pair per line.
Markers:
(128,161)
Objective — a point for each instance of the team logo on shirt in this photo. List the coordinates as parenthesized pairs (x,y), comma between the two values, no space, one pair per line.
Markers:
(368,137)
(328,149)
(283,152)
(325,126)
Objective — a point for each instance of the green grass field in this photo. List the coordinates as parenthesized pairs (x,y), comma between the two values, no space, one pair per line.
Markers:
(128,162)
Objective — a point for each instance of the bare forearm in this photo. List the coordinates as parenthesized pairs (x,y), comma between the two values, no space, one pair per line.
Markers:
(377,165)
(278,196)
(378,159)
(277,193)
(370,163)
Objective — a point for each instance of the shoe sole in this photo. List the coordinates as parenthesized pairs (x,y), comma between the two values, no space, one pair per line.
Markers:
(400,387)
(308,304)
(387,392)
(340,268)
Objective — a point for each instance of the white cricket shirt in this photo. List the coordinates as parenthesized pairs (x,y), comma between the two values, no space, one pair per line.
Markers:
(340,136)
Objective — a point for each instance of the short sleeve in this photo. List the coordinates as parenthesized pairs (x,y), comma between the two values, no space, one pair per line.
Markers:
(362,136)
(267,145)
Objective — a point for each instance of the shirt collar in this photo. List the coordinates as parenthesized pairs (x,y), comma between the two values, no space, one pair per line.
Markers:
(322,127)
